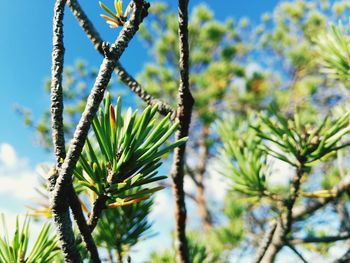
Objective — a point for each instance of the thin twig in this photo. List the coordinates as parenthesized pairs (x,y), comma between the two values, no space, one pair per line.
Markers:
(338,190)
(124,76)
(187,194)
(284,226)
(265,243)
(97,208)
(297,253)
(325,239)
(183,115)
(60,212)
(82,225)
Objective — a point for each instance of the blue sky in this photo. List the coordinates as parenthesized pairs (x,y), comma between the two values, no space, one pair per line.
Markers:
(25,49)
(25,62)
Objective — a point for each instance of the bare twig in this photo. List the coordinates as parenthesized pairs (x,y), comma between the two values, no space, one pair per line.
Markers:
(59,203)
(297,253)
(97,208)
(82,225)
(58,131)
(56,83)
(60,213)
(183,115)
(187,194)
(124,76)
(325,239)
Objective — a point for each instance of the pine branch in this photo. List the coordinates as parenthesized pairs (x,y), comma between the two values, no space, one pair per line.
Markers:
(59,202)
(124,76)
(338,190)
(183,114)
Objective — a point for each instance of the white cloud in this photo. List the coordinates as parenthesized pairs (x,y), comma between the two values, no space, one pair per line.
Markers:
(17,182)
(8,156)
(17,178)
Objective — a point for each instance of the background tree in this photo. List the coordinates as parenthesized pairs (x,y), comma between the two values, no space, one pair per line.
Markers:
(237,69)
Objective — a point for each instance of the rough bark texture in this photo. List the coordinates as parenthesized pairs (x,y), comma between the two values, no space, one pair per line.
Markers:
(184,110)
(82,225)
(63,223)
(97,208)
(94,100)
(56,82)
(124,76)
(60,213)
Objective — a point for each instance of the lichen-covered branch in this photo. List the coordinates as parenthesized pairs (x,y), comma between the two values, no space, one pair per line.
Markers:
(124,76)
(82,225)
(56,83)
(183,115)
(60,212)
(61,190)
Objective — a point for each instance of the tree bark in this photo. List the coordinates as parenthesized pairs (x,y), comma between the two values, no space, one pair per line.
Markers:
(183,116)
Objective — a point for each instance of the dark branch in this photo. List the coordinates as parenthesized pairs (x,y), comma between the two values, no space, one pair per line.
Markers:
(124,76)
(97,208)
(325,239)
(183,115)
(297,253)
(82,225)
